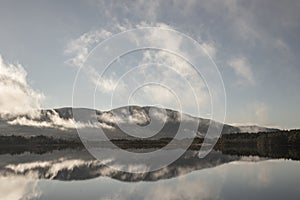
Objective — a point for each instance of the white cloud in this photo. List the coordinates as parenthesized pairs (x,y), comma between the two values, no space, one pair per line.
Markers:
(185,187)
(52,167)
(17,98)
(18,187)
(105,84)
(210,48)
(242,69)
(55,121)
(79,49)
(136,116)
(16,95)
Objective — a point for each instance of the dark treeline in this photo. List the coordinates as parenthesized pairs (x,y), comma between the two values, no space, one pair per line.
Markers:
(279,144)
(278,138)
(35,141)
(42,144)
(14,150)
(34,144)
(192,144)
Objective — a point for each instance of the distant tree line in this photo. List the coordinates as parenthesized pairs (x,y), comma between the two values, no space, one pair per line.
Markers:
(40,140)
(279,144)
(35,144)
(278,138)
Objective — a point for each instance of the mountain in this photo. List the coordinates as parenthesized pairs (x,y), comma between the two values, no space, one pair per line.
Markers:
(119,123)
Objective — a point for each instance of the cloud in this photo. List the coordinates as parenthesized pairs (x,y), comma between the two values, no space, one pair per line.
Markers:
(185,187)
(54,121)
(18,187)
(79,48)
(125,116)
(210,48)
(242,69)
(20,104)
(104,84)
(16,95)
(51,168)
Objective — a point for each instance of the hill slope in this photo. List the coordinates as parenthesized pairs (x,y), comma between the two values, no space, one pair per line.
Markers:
(137,121)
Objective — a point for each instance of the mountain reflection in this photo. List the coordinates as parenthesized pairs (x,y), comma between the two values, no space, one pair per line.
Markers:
(78,164)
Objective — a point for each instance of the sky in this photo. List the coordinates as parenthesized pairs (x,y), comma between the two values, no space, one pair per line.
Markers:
(254,45)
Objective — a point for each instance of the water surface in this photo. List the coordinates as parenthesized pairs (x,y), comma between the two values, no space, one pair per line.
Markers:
(74,174)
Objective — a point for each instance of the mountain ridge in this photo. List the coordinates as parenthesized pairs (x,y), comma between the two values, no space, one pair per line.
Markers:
(61,122)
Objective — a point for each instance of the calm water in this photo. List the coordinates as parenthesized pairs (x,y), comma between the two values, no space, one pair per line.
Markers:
(74,174)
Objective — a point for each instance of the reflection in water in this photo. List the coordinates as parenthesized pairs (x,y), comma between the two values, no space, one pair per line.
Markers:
(18,187)
(79,165)
(218,176)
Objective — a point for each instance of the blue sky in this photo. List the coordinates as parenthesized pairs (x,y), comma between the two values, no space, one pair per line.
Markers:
(255,45)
